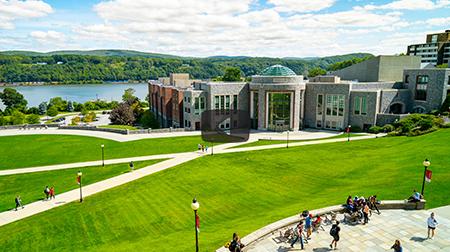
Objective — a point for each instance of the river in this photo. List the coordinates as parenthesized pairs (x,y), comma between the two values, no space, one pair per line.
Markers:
(78,93)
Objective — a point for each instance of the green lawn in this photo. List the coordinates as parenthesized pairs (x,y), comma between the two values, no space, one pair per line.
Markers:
(30,186)
(262,142)
(38,150)
(237,192)
(118,127)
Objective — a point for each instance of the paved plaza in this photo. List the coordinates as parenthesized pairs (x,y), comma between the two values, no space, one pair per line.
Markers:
(378,235)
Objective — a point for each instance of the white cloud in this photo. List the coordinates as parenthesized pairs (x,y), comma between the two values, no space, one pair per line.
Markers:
(301,5)
(51,37)
(11,10)
(410,5)
(438,21)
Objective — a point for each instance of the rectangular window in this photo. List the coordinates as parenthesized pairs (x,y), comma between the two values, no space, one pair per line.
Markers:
(235,102)
(319,124)
(197,103)
(335,105)
(341,105)
(227,102)
(216,102)
(448,82)
(202,103)
(222,102)
(357,108)
(363,106)
(329,104)
(319,104)
(421,87)
(407,79)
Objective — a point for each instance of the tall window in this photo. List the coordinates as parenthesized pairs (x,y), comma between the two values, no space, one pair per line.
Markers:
(335,105)
(216,102)
(222,102)
(197,103)
(319,104)
(202,103)
(227,102)
(360,106)
(407,79)
(421,87)
(235,102)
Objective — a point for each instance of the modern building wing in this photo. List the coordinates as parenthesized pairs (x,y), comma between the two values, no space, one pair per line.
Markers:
(435,51)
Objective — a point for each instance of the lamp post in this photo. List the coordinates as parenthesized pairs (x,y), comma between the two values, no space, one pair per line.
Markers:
(195,206)
(348,132)
(287,139)
(103,155)
(79,182)
(425,163)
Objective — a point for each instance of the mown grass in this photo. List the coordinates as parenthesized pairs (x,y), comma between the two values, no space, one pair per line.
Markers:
(237,192)
(30,186)
(38,150)
(262,142)
(112,126)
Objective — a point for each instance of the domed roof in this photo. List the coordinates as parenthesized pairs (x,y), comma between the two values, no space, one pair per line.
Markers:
(277,70)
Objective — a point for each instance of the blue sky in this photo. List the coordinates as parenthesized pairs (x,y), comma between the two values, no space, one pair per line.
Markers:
(274,28)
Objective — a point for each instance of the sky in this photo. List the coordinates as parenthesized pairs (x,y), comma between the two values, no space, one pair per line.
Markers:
(201,28)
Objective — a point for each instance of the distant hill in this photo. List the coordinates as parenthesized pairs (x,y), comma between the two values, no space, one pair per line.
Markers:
(112,52)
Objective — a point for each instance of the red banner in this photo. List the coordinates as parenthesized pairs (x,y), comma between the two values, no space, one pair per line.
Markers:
(428,174)
(78,179)
(197,223)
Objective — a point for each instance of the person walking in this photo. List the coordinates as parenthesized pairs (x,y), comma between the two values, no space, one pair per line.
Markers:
(298,235)
(199,147)
(131,166)
(432,224)
(373,204)
(18,201)
(203,148)
(366,211)
(52,192)
(47,192)
(397,247)
(308,226)
(206,148)
(334,232)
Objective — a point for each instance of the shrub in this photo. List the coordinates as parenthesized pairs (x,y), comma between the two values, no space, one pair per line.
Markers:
(17,117)
(388,128)
(76,120)
(33,119)
(375,129)
(52,111)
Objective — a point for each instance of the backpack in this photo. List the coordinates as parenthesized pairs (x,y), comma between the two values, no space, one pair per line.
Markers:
(333,230)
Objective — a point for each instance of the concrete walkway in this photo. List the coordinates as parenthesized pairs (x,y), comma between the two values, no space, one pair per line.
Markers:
(70,196)
(378,235)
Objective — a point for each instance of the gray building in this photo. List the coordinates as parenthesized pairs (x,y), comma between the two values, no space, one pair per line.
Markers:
(380,68)
(279,100)
(435,51)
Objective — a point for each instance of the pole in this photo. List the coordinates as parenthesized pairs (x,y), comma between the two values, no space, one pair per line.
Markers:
(81,192)
(196,231)
(423,182)
(287,140)
(212,148)
(103,156)
(348,133)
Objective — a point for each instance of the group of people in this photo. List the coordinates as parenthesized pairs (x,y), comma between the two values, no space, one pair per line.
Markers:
(360,208)
(49,192)
(307,226)
(202,147)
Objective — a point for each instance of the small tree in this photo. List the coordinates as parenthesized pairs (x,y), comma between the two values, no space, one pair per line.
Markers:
(129,97)
(232,74)
(76,120)
(148,120)
(42,108)
(316,72)
(17,117)
(122,115)
(70,107)
(52,111)
(33,110)
(58,103)
(33,119)
(13,99)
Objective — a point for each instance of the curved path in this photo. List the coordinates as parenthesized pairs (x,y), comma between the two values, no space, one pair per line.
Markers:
(70,196)
(378,235)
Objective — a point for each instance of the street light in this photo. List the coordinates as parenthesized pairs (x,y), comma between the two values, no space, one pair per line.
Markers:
(79,182)
(287,139)
(103,154)
(195,206)
(426,163)
(348,132)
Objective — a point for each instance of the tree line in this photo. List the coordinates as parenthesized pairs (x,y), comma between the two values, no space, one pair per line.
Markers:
(92,69)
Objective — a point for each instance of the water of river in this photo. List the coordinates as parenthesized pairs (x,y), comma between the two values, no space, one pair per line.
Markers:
(79,93)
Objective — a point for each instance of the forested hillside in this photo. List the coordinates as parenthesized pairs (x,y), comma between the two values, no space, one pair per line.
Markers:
(80,67)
